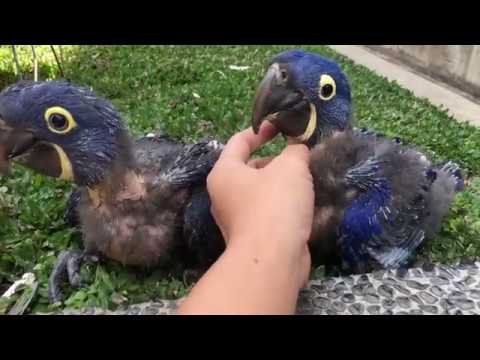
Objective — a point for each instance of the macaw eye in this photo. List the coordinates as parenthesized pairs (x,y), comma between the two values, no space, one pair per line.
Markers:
(59,120)
(327,87)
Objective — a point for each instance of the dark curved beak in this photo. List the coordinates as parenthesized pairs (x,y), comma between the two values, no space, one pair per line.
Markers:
(278,101)
(21,146)
(262,105)
(13,143)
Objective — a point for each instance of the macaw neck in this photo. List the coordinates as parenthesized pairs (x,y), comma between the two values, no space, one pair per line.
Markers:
(121,181)
(321,134)
(326,127)
(332,117)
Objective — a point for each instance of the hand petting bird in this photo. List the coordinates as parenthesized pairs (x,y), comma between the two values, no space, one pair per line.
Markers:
(377,200)
(141,203)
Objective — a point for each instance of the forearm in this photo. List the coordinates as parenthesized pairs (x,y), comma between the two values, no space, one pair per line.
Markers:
(243,281)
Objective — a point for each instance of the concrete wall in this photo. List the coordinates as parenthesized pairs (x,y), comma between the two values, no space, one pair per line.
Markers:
(457,65)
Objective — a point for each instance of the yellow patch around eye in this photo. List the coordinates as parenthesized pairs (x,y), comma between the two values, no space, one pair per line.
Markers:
(57,110)
(327,87)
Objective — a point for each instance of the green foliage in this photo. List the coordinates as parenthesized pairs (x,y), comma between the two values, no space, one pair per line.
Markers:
(460,235)
(191,92)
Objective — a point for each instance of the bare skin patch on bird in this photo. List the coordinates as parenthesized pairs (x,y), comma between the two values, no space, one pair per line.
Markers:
(132,217)
(131,232)
(145,250)
(132,188)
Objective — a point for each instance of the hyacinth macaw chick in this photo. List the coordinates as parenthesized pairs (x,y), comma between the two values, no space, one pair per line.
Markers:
(142,203)
(377,200)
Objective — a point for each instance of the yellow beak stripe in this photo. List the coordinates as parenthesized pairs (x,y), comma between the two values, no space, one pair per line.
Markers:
(67,171)
(311,126)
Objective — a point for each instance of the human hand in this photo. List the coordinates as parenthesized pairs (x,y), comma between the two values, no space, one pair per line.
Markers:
(264,206)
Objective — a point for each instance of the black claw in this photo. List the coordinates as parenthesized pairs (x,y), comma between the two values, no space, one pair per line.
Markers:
(73,270)
(68,264)
(56,278)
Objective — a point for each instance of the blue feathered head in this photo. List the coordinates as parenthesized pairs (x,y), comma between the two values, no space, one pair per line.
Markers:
(60,130)
(305,95)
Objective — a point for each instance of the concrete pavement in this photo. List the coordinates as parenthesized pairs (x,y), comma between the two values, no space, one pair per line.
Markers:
(459,106)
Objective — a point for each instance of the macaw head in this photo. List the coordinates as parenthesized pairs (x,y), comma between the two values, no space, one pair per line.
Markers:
(61,130)
(305,95)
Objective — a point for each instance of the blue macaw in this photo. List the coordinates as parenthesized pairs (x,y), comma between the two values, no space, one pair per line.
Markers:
(377,200)
(143,203)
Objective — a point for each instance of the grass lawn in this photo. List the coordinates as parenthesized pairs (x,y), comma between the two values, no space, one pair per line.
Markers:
(190,92)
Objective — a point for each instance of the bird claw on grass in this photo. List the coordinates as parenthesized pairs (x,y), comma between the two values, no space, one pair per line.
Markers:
(67,267)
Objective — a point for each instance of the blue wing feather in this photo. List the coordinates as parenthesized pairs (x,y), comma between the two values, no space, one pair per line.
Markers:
(361,223)
(372,233)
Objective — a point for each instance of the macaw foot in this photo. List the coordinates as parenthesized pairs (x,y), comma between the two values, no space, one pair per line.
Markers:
(67,266)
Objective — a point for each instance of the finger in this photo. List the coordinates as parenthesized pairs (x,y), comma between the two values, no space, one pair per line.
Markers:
(260,162)
(267,130)
(296,158)
(298,152)
(243,144)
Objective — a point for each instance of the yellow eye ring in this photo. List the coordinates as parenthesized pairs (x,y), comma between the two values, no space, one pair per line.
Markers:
(327,87)
(59,120)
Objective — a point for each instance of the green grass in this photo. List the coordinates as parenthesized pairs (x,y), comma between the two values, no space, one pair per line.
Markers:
(154,88)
